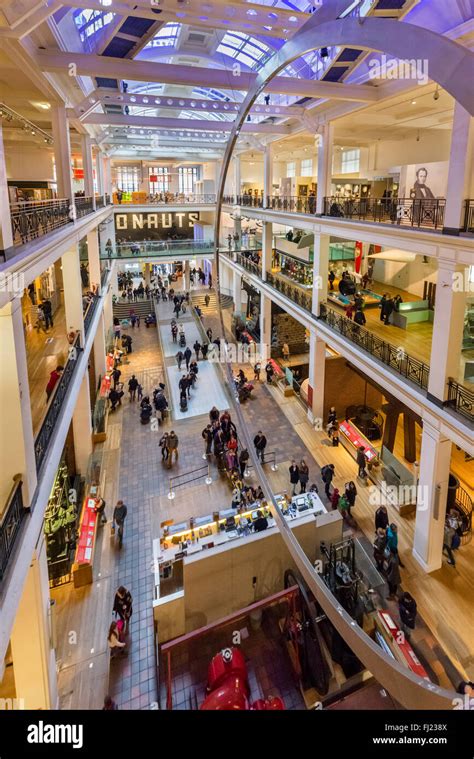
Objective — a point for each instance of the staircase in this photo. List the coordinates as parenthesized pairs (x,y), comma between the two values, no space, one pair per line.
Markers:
(464,505)
(141,307)
(198,299)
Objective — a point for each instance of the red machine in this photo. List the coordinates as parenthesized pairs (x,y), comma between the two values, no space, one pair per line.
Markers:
(228,688)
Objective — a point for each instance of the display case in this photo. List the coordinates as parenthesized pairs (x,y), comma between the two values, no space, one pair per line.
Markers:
(60,525)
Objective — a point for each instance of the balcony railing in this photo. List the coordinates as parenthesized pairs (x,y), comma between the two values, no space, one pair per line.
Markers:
(163,199)
(99,202)
(468,225)
(247,263)
(159,248)
(10,524)
(294,293)
(107,199)
(292,204)
(84,206)
(32,219)
(461,399)
(43,438)
(89,314)
(405,212)
(394,357)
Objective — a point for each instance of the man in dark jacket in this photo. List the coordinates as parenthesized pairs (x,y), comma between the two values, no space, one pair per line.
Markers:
(294,476)
(187,356)
(260,443)
(408,612)
(361,462)
(359,318)
(208,438)
(243,461)
(48,313)
(161,404)
(120,513)
(327,475)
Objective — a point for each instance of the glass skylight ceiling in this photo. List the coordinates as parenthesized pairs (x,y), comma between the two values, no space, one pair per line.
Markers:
(89,22)
(245,49)
(167,35)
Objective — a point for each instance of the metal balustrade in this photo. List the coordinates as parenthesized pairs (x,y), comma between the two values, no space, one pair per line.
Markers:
(394,357)
(468,225)
(89,314)
(32,219)
(54,413)
(405,212)
(461,399)
(167,199)
(99,202)
(10,524)
(84,206)
(107,199)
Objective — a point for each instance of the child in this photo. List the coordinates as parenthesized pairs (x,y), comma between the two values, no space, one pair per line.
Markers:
(139,392)
(335,498)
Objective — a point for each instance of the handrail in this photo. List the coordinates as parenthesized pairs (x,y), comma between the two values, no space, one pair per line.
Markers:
(43,438)
(461,399)
(414,212)
(151,199)
(464,503)
(171,492)
(11,521)
(159,247)
(89,313)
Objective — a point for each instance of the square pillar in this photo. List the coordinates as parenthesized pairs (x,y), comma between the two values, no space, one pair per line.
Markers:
(448,325)
(34,658)
(71,271)
(320,271)
(99,172)
(86,147)
(267,174)
(265,323)
(99,350)
(237,293)
(317,371)
(62,151)
(461,168)
(267,248)
(93,256)
(326,136)
(435,460)
(6,235)
(17,447)
(82,426)
(107,171)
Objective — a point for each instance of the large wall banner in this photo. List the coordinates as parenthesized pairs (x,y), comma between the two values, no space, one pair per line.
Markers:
(155,225)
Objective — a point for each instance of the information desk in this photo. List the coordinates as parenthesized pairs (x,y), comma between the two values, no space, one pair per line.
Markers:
(370,298)
(353,439)
(84,558)
(220,529)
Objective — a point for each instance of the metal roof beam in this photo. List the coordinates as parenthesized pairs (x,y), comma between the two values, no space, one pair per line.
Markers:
(200,125)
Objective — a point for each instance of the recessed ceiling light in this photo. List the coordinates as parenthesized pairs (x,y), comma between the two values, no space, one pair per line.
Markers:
(144,100)
(413,102)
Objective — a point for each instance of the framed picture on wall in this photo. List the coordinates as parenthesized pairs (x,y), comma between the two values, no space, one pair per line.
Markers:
(303,190)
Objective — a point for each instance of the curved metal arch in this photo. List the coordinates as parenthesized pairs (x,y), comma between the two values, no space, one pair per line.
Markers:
(455,77)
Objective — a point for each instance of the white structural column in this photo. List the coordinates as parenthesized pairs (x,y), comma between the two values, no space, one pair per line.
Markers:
(99,171)
(34,659)
(325,146)
(6,238)
(267,248)
(317,369)
(62,151)
(237,293)
(267,174)
(108,307)
(82,426)
(99,349)
(433,482)
(460,174)
(320,271)
(265,324)
(16,430)
(186,271)
(86,145)
(93,255)
(107,171)
(446,344)
(73,291)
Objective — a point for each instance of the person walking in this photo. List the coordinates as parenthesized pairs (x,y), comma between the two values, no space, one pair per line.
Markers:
(359,318)
(207,299)
(179,359)
(123,606)
(392,572)
(304,475)
(408,611)
(285,351)
(388,310)
(380,543)
(327,476)
(187,356)
(294,476)
(208,437)
(172,447)
(260,443)
(448,536)
(174,332)
(269,371)
(256,371)
(48,313)
(132,387)
(197,349)
(53,381)
(361,462)
(243,461)
(99,509)
(392,540)
(382,303)
(116,645)
(350,493)
(116,374)
(381,519)
(119,516)
(164,446)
